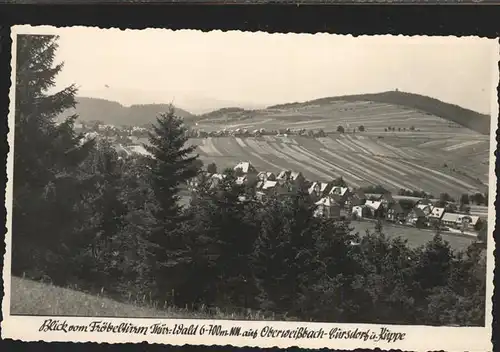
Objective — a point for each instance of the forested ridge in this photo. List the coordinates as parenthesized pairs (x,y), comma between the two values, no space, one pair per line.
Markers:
(86,217)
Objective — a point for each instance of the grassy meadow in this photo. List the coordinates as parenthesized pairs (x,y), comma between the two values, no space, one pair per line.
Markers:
(35,298)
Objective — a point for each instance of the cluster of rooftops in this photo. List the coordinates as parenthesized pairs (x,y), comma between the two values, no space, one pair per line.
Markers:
(334,200)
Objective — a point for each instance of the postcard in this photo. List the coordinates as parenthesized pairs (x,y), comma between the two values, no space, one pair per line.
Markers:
(251,189)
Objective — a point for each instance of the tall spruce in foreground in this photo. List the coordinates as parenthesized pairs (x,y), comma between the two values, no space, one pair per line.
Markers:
(171,165)
(46,157)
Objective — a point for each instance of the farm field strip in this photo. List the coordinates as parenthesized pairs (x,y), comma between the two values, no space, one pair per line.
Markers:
(383,177)
(344,172)
(291,160)
(209,147)
(252,143)
(333,144)
(397,151)
(240,142)
(355,142)
(467,187)
(345,145)
(430,183)
(306,122)
(377,149)
(229,148)
(204,150)
(339,145)
(415,154)
(384,165)
(370,146)
(461,145)
(372,177)
(433,143)
(304,160)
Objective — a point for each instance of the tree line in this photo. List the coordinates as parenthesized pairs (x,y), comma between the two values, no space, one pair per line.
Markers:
(83,216)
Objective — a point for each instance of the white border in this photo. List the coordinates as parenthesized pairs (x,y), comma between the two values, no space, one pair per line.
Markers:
(417,338)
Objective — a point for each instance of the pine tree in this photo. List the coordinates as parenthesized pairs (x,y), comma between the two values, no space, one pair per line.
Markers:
(46,158)
(172,164)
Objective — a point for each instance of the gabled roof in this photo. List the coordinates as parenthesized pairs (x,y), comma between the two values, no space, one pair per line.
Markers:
(418,212)
(295,175)
(284,175)
(327,201)
(313,187)
(437,212)
(396,207)
(266,174)
(241,180)
(245,167)
(373,204)
(458,218)
(422,207)
(218,176)
(338,190)
(269,184)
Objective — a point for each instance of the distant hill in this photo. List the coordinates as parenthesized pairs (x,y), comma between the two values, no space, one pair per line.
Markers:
(468,118)
(228,114)
(113,113)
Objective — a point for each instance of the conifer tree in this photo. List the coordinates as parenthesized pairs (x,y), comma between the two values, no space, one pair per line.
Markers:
(170,167)
(172,164)
(46,156)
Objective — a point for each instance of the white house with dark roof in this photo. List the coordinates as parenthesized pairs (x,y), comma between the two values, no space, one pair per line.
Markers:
(246,168)
(327,207)
(425,208)
(459,221)
(436,214)
(319,189)
(266,176)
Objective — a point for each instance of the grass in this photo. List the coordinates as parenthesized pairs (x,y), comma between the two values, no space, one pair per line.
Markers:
(35,298)
(416,237)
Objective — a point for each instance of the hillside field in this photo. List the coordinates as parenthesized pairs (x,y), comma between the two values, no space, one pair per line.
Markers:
(35,298)
(454,165)
(328,114)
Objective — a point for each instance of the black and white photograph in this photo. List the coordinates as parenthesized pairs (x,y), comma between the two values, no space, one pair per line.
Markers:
(168,181)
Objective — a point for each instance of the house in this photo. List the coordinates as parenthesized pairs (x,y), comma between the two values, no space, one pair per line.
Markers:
(460,221)
(395,213)
(416,217)
(265,176)
(283,176)
(425,208)
(327,207)
(357,211)
(319,189)
(340,194)
(241,180)
(296,178)
(355,198)
(266,188)
(246,168)
(435,215)
(375,207)
(216,180)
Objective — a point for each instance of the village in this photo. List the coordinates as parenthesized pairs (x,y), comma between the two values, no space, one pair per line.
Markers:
(337,200)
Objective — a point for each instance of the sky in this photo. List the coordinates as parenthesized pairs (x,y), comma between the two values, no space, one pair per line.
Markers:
(200,71)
